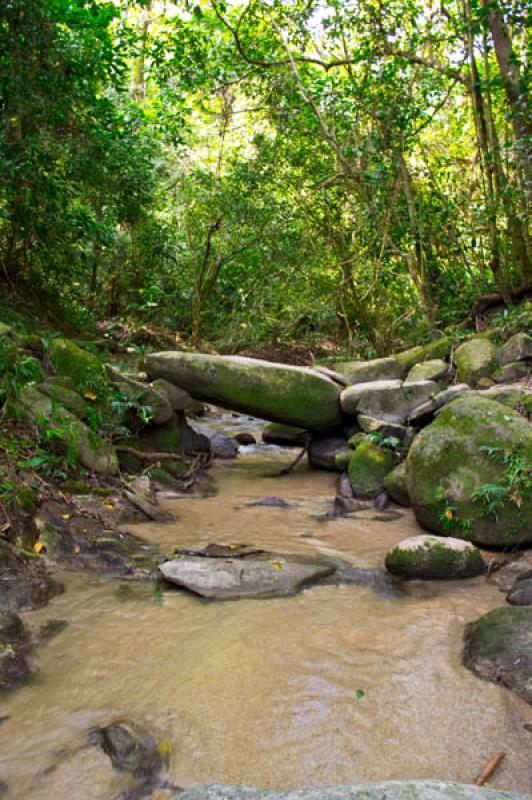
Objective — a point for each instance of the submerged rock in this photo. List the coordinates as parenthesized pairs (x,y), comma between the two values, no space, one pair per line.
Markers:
(258,575)
(498,648)
(388,790)
(461,451)
(130,747)
(14,651)
(280,393)
(435,557)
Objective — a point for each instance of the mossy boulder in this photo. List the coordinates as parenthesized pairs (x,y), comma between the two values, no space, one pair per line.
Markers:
(69,359)
(374,370)
(66,397)
(475,359)
(513,371)
(5,330)
(408,358)
(439,348)
(450,461)
(518,348)
(78,440)
(433,370)
(512,396)
(178,398)
(142,394)
(276,392)
(498,648)
(435,558)
(391,401)
(395,485)
(368,467)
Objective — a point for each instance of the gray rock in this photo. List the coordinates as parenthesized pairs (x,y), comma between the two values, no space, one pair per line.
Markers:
(521,592)
(513,371)
(433,370)
(143,394)
(498,648)
(439,400)
(341,380)
(391,401)
(284,435)
(271,502)
(327,452)
(277,392)
(518,348)
(179,399)
(388,790)
(435,557)
(66,397)
(375,370)
(24,582)
(475,359)
(223,446)
(372,425)
(269,575)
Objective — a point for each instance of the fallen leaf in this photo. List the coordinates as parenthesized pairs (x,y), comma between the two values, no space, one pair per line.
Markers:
(449,514)
(77,549)
(360,694)
(110,506)
(65,516)
(89,395)
(38,546)
(277,564)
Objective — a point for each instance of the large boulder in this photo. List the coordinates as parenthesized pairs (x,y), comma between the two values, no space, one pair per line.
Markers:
(434,557)
(498,648)
(65,396)
(386,400)
(475,359)
(463,450)
(439,348)
(88,448)
(253,575)
(374,370)
(408,358)
(277,392)
(388,790)
(518,348)
(368,467)
(422,412)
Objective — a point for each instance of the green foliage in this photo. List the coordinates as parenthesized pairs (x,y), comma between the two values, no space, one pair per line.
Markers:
(515,484)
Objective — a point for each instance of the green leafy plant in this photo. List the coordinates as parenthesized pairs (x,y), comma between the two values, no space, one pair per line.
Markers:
(515,483)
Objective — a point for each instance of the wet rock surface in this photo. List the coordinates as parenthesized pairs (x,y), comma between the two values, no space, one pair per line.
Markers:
(24,582)
(390,790)
(521,592)
(131,748)
(498,648)
(15,665)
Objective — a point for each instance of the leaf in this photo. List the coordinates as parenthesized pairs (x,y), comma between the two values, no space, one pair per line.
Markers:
(277,564)
(65,516)
(77,549)
(110,506)
(38,546)
(89,395)
(360,694)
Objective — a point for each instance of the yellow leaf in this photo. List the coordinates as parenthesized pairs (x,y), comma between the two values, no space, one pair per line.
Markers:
(77,549)
(65,516)
(277,564)
(38,546)
(165,748)
(449,514)
(109,505)
(89,395)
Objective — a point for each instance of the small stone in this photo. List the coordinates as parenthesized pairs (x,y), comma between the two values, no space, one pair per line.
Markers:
(245,439)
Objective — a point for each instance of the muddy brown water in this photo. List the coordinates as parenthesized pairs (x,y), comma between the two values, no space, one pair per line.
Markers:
(335,685)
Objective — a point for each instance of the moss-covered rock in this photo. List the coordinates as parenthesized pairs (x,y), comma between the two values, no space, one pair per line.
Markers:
(178,398)
(66,397)
(513,371)
(475,359)
(433,370)
(79,441)
(374,370)
(518,348)
(69,359)
(391,401)
(395,485)
(143,394)
(5,330)
(368,467)
(448,464)
(408,358)
(435,558)
(439,348)
(498,648)
(277,392)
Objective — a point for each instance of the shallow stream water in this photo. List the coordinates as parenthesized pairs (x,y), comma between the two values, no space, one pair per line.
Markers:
(335,685)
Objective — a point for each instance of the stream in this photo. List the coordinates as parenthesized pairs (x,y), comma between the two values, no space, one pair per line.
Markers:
(334,685)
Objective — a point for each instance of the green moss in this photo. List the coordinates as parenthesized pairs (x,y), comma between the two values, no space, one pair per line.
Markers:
(368,467)
(84,368)
(408,358)
(356,439)
(395,485)
(434,560)
(439,348)
(27,498)
(475,359)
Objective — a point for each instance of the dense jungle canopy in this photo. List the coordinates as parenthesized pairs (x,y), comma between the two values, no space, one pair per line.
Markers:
(264,171)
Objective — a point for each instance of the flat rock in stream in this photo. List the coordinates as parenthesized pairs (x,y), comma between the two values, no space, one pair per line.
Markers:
(261,575)
(388,790)
(277,392)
